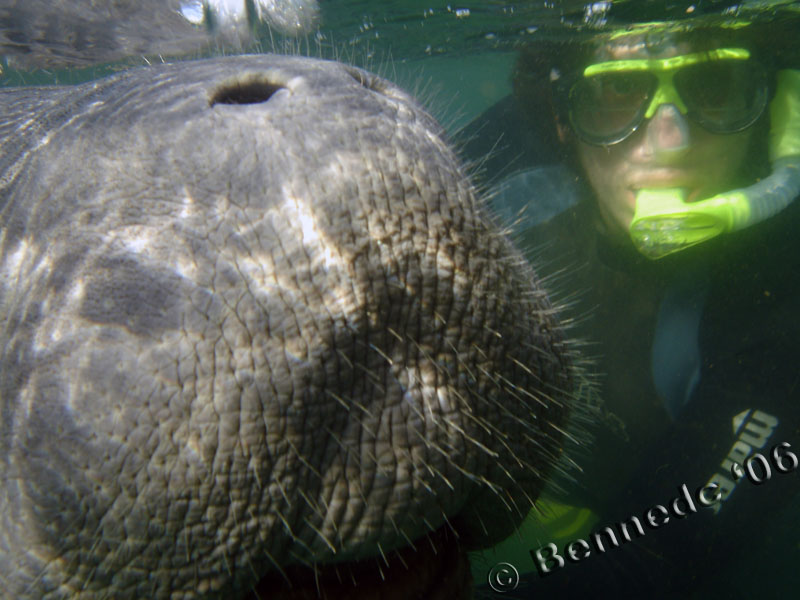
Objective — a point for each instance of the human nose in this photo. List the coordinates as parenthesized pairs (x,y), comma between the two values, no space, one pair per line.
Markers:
(667,132)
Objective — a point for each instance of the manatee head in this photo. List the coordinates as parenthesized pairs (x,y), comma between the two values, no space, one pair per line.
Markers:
(258,332)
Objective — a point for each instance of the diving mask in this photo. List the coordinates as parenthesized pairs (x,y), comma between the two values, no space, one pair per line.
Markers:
(722,90)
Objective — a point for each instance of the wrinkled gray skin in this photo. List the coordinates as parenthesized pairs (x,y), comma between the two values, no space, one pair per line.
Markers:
(237,336)
(57,33)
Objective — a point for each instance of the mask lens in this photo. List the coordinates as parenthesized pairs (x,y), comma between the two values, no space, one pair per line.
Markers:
(723,96)
(607,107)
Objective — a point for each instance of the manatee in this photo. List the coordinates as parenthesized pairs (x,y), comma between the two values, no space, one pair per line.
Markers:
(58,33)
(259,332)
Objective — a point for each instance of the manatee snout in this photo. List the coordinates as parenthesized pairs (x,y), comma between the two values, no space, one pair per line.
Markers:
(257,327)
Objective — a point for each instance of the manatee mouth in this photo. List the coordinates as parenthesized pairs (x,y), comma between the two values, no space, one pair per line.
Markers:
(434,567)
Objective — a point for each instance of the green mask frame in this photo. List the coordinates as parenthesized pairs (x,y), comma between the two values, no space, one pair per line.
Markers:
(664,69)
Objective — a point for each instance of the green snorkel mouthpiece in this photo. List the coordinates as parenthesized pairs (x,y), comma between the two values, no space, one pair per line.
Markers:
(664,222)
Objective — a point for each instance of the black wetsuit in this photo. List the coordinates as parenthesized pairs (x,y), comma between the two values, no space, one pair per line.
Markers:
(699,361)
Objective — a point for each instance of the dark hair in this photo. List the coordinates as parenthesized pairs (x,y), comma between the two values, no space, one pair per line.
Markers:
(542,62)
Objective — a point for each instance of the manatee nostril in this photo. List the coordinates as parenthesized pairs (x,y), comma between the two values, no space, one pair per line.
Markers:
(248,91)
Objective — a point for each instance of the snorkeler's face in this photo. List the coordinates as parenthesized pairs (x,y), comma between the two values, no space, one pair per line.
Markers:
(668,150)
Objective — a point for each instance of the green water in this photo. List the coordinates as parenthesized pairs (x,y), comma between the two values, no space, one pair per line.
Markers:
(456,55)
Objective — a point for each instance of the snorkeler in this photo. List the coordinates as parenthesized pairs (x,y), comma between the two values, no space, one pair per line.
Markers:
(671,213)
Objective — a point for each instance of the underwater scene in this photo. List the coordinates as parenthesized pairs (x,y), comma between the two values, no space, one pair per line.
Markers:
(327,299)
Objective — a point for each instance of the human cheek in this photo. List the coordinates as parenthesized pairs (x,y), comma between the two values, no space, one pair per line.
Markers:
(723,157)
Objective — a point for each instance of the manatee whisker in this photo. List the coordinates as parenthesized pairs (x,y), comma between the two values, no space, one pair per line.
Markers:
(565,433)
(343,356)
(302,458)
(322,536)
(518,392)
(395,334)
(374,377)
(388,360)
(312,504)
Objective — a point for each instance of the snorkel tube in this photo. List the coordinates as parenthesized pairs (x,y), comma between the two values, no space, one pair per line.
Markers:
(664,222)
